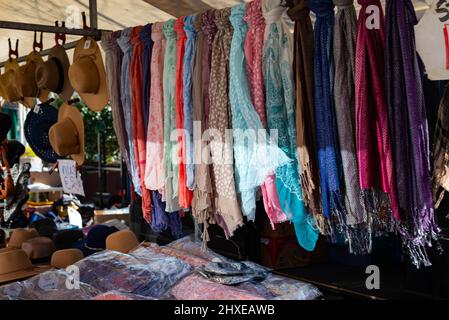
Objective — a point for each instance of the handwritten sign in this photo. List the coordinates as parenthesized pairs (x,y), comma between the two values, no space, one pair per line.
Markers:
(71,179)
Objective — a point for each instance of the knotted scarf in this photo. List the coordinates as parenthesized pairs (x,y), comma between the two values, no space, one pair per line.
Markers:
(125,96)
(170,147)
(184,194)
(305,112)
(279,84)
(354,222)
(147,42)
(255,157)
(154,172)
(326,127)
(226,202)
(374,153)
(254,66)
(409,131)
(188,103)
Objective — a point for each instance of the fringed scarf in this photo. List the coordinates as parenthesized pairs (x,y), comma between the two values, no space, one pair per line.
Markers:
(409,131)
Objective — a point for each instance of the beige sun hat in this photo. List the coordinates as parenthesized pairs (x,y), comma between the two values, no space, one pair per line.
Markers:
(87,74)
(52,75)
(67,135)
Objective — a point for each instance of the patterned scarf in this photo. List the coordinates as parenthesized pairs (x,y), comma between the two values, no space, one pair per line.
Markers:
(354,226)
(409,131)
(254,160)
(326,128)
(226,201)
(147,42)
(305,112)
(279,84)
(374,153)
(169,76)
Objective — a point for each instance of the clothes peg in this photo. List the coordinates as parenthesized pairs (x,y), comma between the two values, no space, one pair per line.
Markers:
(60,36)
(37,44)
(11,51)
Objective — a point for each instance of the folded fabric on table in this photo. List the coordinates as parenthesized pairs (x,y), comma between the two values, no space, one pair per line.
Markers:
(50,285)
(232,273)
(117,295)
(191,260)
(284,288)
(189,246)
(195,287)
(150,277)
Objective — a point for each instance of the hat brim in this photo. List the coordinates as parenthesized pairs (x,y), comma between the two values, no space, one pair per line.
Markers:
(81,245)
(71,112)
(58,52)
(97,101)
(22,274)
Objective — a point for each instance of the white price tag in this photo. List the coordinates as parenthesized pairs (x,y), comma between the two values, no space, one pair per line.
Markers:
(71,179)
(37,108)
(87,44)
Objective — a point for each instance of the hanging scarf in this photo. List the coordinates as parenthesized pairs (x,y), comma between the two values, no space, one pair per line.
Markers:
(154,172)
(254,160)
(409,131)
(374,153)
(147,42)
(254,62)
(139,141)
(305,112)
(125,96)
(326,128)
(188,105)
(354,223)
(113,62)
(169,76)
(202,205)
(184,194)
(441,149)
(279,84)
(226,201)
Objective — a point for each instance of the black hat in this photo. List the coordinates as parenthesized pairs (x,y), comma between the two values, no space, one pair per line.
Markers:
(14,150)
(45,227)
(5,126)
(65,239)
(95,240)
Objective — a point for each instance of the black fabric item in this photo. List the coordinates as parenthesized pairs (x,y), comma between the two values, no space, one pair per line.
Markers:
(65,239)
(45,227)
(137,223)
(14,150)
(5,126)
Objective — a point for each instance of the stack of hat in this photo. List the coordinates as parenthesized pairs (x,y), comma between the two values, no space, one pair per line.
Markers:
(95,240)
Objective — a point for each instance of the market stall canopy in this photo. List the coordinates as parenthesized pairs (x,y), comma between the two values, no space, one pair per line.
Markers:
(112,15)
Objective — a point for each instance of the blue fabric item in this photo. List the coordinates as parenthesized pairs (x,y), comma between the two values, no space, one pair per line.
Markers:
(326,127)
(175,224)
(145,38)
(279,84)
(36,127)
(125,95)
(159,219)
(187,92)
(254,160)
(95,240)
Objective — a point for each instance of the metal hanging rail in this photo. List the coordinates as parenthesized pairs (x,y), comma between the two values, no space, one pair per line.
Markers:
(92,31)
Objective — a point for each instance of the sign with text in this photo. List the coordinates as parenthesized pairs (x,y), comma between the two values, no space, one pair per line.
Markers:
(71,179)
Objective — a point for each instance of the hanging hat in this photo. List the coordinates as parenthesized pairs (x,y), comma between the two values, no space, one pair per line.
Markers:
(123,241)
(15,265)
(67,135)
(37,125)
(19,236)
(52,75)
(95,240)
(14,150)
(61,259)
(39,248)
(5,126)
(26,80)
(9,89)
(87,74)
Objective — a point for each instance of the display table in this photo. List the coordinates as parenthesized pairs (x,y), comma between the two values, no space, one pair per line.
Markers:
(109,214)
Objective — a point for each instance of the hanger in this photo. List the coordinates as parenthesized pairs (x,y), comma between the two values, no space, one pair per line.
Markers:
(37,44)
(60,36)
(11,51)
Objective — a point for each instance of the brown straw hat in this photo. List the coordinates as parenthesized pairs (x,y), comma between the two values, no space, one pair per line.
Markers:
(67,135)
(20,235)
(26,80)
(52,75)
(61,259)
(39,248)
(88,76)
(123,241)
(15,265)
(9,90)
